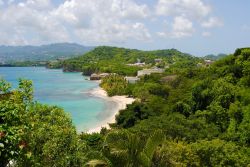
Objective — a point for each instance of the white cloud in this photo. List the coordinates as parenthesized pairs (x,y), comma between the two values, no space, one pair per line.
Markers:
(186,14)
(117,33)
(182,27)
(189,8)
(206,34)
(212,22)
(99,21)
(30,24)
(105,20)
(102,8)
(130,10)
(38,21)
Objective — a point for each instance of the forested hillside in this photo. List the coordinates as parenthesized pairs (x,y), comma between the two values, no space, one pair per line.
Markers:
(202,111)
(116,60)
(187,116)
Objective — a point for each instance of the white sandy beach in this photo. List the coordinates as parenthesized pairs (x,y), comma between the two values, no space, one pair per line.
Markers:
(121,103)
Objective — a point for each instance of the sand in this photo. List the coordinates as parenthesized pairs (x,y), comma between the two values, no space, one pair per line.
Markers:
(120,104)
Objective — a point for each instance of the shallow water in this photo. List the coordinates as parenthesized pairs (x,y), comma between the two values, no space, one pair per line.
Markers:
(67,90)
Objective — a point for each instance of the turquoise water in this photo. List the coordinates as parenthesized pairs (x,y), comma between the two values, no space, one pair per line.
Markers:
(70,91)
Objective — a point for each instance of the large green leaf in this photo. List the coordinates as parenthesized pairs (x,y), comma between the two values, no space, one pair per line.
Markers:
(146,155)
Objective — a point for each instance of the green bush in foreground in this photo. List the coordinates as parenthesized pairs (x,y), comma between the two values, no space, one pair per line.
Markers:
(32,134)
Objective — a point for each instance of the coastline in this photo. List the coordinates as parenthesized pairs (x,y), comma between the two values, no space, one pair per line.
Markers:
(120,104)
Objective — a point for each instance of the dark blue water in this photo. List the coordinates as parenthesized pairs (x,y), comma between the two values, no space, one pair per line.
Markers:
(67,90)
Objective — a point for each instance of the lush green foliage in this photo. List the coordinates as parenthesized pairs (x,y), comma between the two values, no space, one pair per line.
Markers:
(188,116)
(33,134)
(126,149)
(200,103)
(114,85)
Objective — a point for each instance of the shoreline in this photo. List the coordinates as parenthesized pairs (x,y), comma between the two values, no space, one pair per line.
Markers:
(120,104)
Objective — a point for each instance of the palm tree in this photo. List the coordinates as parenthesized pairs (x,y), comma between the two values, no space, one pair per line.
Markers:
(126,149)
(96,159)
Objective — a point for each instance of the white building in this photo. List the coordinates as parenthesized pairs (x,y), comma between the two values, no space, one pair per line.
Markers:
(132,80)
(158,60)
(137,64)
(149,71)
(208,62)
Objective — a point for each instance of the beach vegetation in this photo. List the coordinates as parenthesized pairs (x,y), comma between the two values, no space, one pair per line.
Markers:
(114,85)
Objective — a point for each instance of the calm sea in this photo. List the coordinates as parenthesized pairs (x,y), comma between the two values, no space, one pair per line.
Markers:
(66,90)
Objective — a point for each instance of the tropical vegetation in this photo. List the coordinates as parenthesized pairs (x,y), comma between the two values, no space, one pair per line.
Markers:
(187,116)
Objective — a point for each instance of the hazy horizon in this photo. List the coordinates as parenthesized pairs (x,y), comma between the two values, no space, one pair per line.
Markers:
(107,46)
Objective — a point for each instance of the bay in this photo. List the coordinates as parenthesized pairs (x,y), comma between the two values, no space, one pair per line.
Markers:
(69,91)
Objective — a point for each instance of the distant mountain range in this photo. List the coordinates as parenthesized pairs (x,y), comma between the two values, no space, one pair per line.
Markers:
(10,54)
(215,57)
(41,53)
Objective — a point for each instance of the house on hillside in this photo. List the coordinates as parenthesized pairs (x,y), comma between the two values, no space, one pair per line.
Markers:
(132,80)
(149,71)
(138,63)
(95,76)
(158,60)
(208,62)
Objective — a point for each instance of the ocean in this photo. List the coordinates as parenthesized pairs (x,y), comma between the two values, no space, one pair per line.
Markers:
(69,91)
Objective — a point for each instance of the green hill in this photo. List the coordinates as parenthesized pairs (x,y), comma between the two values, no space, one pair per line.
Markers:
(116,60)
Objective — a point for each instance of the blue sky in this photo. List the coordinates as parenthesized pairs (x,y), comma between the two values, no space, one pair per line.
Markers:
(199,27)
